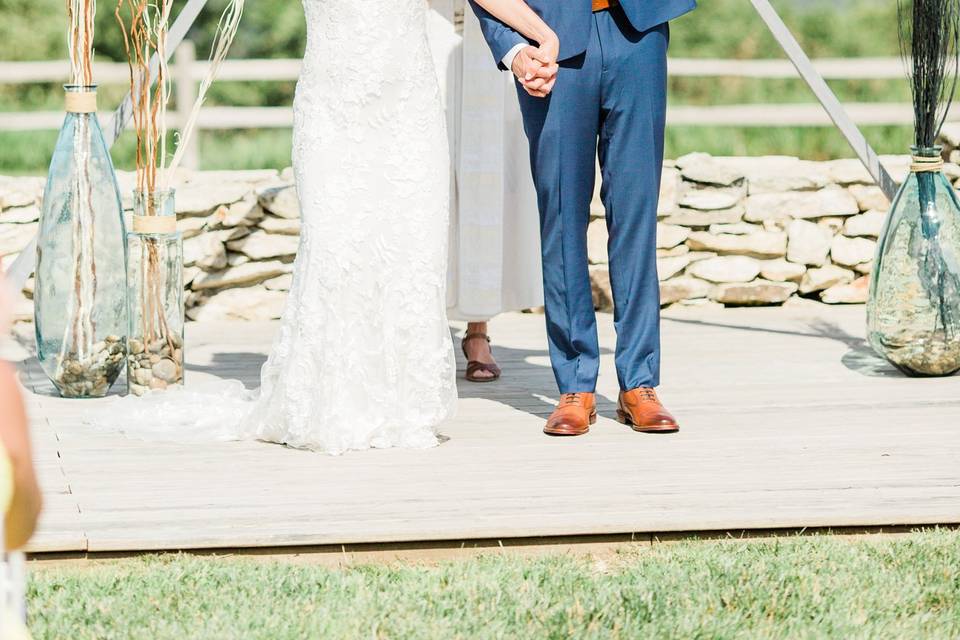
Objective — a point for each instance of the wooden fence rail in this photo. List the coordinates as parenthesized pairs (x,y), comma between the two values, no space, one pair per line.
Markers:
(289,69)
(187,71)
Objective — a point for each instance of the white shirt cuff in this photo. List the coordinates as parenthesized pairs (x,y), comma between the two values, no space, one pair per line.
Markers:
(512,54)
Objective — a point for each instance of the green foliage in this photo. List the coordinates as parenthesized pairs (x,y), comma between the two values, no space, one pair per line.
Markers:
(732,29)
(819,587)
(34,30)
(814,143)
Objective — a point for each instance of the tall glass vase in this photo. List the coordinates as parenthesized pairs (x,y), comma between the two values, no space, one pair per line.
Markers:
(155,295)
(79,301)
(913,311)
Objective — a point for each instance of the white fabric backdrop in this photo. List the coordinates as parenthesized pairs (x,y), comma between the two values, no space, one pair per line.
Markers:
(494,231)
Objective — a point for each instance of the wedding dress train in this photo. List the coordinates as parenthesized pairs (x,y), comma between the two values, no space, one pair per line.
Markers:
(364,356)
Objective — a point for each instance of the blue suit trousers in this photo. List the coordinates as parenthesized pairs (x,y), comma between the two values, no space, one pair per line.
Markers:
(611,101)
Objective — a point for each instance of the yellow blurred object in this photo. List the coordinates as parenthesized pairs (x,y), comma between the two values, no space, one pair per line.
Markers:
(6,480)
(11,626)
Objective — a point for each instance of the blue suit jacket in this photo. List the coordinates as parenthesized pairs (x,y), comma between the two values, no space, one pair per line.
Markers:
(570,20)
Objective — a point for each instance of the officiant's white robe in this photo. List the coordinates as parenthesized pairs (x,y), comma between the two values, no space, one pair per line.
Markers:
(494,261)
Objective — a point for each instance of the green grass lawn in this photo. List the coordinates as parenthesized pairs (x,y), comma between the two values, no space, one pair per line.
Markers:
(803,587)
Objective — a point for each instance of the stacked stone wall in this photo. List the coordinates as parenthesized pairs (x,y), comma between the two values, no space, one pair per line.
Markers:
(731,231)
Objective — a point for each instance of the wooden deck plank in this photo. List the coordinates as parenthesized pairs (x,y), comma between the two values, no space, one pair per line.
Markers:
(788,421)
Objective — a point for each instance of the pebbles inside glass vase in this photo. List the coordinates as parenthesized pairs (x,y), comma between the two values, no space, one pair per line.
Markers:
(79,301)
(154,295)
(913,310)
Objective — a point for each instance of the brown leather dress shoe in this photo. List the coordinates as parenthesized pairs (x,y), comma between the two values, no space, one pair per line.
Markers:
(641,409)
(573,416)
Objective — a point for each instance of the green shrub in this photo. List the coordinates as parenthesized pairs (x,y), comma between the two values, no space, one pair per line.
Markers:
(33,30)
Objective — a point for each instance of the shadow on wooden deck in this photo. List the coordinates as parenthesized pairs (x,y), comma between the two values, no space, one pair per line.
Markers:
(788,423)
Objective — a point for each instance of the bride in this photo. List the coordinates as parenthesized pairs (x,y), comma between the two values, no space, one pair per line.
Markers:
(364,356)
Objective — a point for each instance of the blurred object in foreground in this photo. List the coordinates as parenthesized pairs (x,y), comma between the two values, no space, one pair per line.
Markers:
(20,499)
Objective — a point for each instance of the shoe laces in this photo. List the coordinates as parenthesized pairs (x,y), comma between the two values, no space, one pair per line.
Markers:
(647,394)
(571,398)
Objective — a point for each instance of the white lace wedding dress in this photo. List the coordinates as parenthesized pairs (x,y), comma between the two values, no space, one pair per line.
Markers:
(364,357)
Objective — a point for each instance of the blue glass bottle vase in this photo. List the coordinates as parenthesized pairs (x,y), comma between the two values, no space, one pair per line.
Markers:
(913,310)
(79,299)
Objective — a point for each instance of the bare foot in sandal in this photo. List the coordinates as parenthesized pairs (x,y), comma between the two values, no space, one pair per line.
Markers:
(481,365)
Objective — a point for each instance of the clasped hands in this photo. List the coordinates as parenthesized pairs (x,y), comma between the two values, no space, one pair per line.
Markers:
(536,67)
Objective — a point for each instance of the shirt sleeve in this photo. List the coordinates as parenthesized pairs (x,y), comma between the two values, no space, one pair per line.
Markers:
(512,55)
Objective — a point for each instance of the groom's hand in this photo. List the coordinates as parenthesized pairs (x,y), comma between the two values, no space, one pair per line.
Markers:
(536,69)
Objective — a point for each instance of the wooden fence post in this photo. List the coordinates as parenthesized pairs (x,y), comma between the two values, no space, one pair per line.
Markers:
(186,95)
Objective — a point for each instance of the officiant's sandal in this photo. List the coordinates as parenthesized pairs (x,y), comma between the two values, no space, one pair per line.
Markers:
(474,366)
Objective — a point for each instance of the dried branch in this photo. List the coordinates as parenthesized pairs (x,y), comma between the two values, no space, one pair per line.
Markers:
(223,38)
(144,25)
(80,17)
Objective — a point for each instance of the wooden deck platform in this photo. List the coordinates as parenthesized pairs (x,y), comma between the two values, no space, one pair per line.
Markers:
(788,419)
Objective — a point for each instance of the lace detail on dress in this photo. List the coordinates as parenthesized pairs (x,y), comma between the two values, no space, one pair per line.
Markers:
(364,356)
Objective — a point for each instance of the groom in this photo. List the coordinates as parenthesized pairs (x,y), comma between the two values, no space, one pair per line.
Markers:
(608,96)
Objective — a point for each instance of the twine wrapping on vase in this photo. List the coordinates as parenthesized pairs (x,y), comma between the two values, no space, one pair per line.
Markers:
(81,102)
(924,164)
(154,224)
